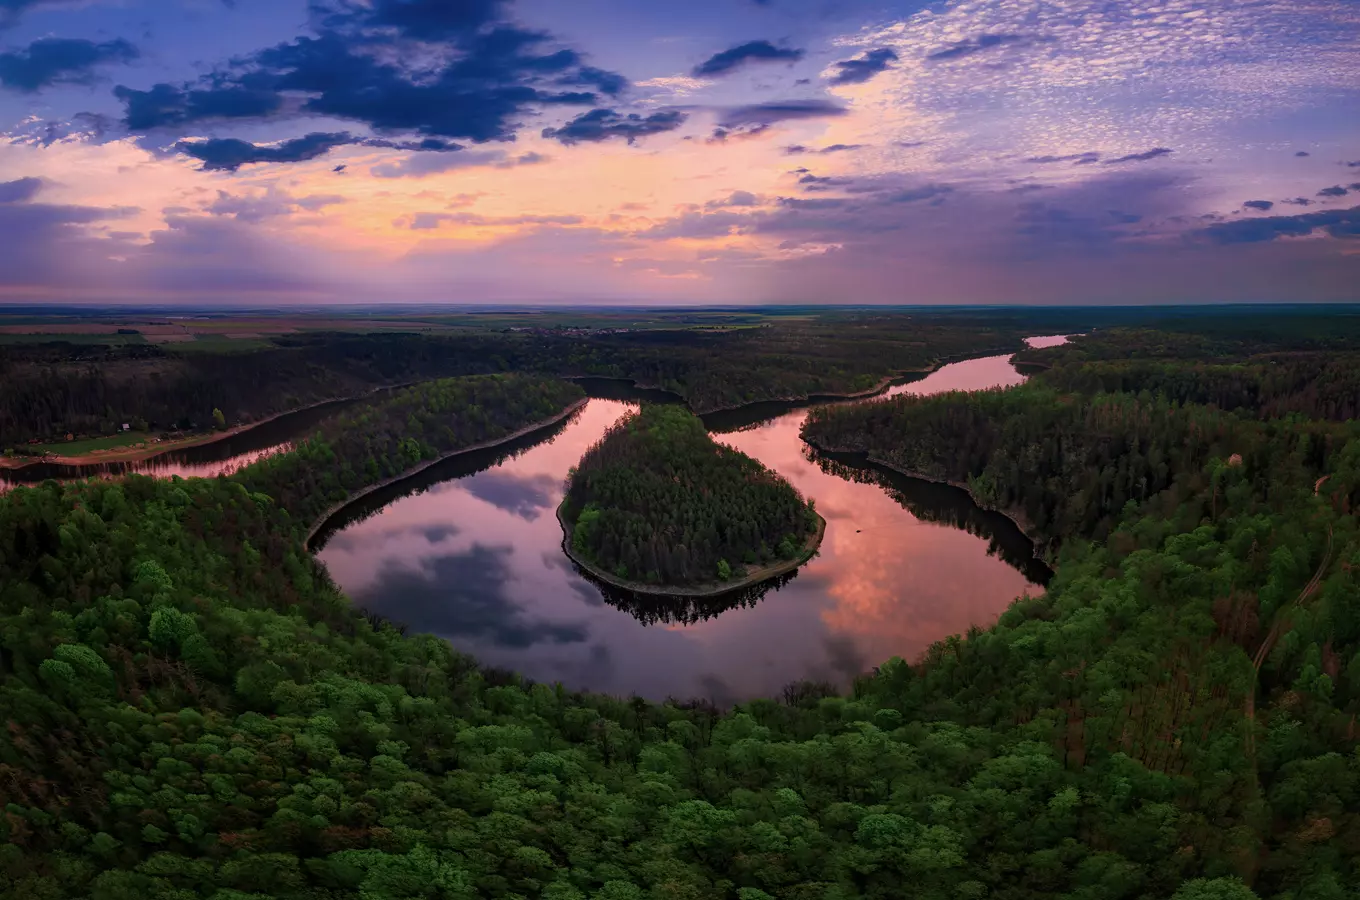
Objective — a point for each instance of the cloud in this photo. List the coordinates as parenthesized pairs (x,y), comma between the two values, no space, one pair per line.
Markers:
(425,221)
(1140,157)
(229,154)
(1334,191)
(1262,205)
(21,190)
(10,10)
(1080,159)
(422,164)
(769,113)
(417,67)
(1342,224)
(858,71)
(743,54)
(272,202)
(1303,153)
(970,46)
(603,124)
(798,149)
(1298,201)
(736,198)
(50,61)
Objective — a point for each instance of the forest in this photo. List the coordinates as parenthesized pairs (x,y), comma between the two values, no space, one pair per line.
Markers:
(658,501)
(52,390)
(195,711)
(379,440)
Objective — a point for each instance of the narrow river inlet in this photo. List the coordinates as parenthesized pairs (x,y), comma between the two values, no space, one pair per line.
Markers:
(471,551)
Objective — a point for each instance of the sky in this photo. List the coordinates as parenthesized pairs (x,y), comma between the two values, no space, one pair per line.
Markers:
(277,152)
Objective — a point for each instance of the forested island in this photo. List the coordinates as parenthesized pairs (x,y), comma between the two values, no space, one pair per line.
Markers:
(193,710)
(658,504)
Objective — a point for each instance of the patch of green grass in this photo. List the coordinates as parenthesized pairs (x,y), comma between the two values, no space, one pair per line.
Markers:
(87,445)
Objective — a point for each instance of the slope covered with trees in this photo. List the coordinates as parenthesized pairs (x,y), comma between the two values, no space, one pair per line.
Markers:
(381,439)
(658,501)
(193,710)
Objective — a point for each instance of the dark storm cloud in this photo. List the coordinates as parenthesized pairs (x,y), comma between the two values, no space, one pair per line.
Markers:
(1262,205)
(764,114)
(229,154)
(463,595)
(50,61)
(1343,224)
(1079,159)
(971,46)
(166,105)
(858,71)
(603,124)
(1335,191)
(484,75)
(1140,157)
(741,55)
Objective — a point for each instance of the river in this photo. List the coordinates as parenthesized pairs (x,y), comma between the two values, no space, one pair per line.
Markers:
(471,551)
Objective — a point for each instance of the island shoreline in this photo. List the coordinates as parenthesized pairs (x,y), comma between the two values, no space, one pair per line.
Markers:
(335,508)
(1016,517)
(765,573)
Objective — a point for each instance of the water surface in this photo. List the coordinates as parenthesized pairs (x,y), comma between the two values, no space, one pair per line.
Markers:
(475,556)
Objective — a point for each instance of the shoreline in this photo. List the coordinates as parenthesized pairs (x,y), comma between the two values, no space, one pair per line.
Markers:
(903,376)
(17,463)
(716,589)
(1017,518)
(335,508)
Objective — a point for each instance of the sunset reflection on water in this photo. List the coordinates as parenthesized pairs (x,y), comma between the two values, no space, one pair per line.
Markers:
(478,560)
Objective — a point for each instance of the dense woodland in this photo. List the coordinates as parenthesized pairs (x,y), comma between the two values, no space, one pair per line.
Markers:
(58,389)
(379,440)
(194,710)
(657,500)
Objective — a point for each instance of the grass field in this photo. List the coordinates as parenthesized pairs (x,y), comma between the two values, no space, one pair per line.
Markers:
(89,445)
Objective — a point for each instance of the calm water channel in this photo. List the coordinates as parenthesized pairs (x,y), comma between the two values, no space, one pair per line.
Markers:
(471,551)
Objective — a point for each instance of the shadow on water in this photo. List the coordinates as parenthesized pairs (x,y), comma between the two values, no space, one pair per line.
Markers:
(455,467)
(945,504)
(658,609)
(625,390)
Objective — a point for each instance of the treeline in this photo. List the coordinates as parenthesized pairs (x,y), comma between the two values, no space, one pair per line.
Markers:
(657,500)
(53,390)
(1062,466)
(379,440)
(1271,383)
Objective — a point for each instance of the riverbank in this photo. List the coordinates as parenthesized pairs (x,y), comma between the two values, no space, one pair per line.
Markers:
(142,454)
(1018,518)
(752,576)
(335,508)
